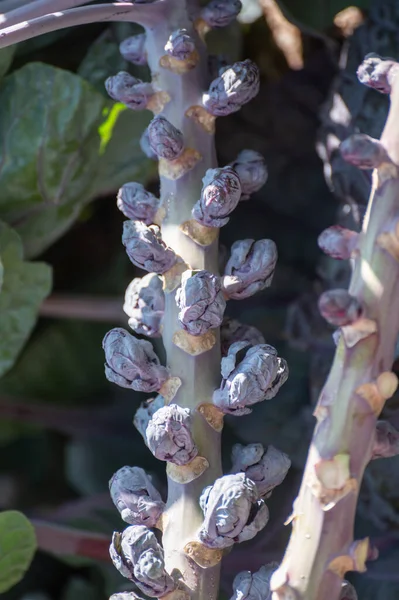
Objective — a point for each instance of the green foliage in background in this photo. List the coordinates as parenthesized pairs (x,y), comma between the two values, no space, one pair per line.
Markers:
(17,547)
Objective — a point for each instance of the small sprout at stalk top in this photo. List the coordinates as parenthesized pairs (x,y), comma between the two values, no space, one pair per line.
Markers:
(137,555)
(220,13)
(145,247)
(232,511)
(338,242)
(250,268)
(169,435)
(250,167)
(145,413)
(145,305)
(233,331)
(348,592)
(200,301)
(136,203)
(180,44)
(339,308)
(221,192)
(235,86)
(133,494)
(250,374)
(266,468)
(165,139)
(132,92)
(386,442)
(363,151)
(145,146)
(133,49)
(132,363)
(253,586)
(376,72)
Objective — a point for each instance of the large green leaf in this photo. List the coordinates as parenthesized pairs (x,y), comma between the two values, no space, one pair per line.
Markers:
(61,144)
(25,285)
(17,547)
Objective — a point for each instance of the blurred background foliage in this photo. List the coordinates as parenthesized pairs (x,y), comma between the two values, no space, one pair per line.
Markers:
(65,148)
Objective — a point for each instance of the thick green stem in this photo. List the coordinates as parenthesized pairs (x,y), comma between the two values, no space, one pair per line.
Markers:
(321,547)
(200,375)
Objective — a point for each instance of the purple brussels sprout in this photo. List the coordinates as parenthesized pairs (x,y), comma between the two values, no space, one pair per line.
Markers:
(338,242)
(169,435)
(250,268)
(363,151)
(376,72)
(133,49)
(132,92)
(250,167)
(165,139)
(200,301)
(132,363)
(145,248)
(137,555)
(266,468)
(254,586)
(145,413)
(145,305)
(220,13)
(220,194)
(386,442)
(250,374)
(133,494)
(136,203)
(232,511)
(145,145)
(339,308)
(180,44)
(235,86)
(125,596)
(233,331)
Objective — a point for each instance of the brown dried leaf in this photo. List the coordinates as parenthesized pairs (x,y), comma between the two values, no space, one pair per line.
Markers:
(179,67)
(174,169)
(194,345)
(204,236)
(200,115)
(186,473)
(212,415)
(203,556)
(169,388)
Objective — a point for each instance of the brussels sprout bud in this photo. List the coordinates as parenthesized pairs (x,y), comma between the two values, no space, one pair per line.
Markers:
(145,247)
(232,511)
(137,555)
(377,72)
(251,168)
(145,305)
(250,268)
(132,363)
(339,308)
(136,203)
(201,302)
(125,88)
(235,86)
(169,435)
(180,44)
(220,13)
(165,140)
(220,195)
(132,49)
(250,375)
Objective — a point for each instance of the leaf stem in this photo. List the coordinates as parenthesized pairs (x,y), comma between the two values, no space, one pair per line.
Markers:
(143,14)
(37,8)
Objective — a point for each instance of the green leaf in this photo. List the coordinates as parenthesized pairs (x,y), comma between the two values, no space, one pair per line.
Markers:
(317,14)
(102,60)
(49,134)
(6,56)
(25,285)
(17,547)
(54,156)
(121,158)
